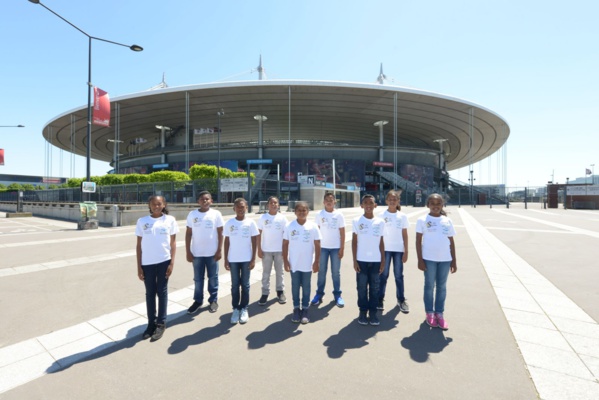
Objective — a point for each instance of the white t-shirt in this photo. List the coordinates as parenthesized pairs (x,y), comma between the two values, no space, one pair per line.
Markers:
(272,227)
(395,223)
(301,244)
(369,233)
(204,233)
(155,236)
(436,232)
(240,238)
(329,224)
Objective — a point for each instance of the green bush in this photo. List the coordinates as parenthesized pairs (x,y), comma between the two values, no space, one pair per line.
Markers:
(136,178)
(168,176)
(111,179)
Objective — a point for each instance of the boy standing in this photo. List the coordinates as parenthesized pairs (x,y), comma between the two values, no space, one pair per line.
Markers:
(240,255)
(203,242)
(270,247)
(301,251)
(368,251)
(332,228)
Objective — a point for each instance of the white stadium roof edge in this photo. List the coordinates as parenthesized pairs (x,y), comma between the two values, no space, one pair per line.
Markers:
(342,113)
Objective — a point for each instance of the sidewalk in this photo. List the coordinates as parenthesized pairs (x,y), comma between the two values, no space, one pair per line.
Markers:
(508,307)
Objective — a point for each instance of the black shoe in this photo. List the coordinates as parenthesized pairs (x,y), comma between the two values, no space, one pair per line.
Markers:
(362,320)
(381,305)
(194,307)
(263,300)
(213,307)
(160,328)
(149,331)
(281,296)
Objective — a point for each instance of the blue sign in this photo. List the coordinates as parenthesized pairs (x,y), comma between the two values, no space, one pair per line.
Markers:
(156,166)
(264,161)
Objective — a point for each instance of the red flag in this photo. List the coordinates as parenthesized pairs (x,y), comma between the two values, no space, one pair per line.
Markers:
(101,115)
(1,156)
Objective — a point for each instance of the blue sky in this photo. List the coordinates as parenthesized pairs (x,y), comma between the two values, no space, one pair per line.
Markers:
(535,63)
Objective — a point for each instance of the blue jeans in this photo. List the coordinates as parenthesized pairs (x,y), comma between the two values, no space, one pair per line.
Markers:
(435,277)
(325,254)
(368,285)
(240,281)
(396,256)
(302,280)
(156,285)
(202,266)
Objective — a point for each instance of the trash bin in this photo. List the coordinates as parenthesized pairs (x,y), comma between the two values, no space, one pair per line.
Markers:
(89,210)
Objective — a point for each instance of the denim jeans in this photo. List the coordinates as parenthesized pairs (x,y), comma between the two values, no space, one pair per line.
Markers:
(301,280)
(202,266)
(156,286)
(325,254)
(396,256)
(368,285)
(268,260)
(435,277)
(240,281)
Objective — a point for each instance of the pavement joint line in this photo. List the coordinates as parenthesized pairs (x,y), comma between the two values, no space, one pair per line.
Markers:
(28,360)
(553,224)
(554,360)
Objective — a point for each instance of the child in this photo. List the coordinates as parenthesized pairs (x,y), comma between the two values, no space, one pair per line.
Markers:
(396,249)
(436,257)
(368,251)
(240,255)
(270,247)
(301,252)
(332,228)
(203,242)
(155,250)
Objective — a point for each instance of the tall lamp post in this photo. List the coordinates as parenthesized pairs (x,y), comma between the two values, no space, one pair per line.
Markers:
(219,114)
(593,174)
(115,148)
(133,47)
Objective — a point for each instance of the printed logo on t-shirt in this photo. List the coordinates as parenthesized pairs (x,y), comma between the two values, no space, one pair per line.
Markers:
(293,234)
(245,231)
(147,228)
(306,237)
(376,230)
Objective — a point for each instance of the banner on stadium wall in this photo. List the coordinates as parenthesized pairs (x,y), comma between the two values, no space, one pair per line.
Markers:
(101,108)
(1,156)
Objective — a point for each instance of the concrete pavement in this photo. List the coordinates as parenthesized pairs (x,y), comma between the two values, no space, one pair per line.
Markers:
(521,309)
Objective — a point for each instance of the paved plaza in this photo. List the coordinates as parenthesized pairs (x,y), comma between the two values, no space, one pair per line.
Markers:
(522,313)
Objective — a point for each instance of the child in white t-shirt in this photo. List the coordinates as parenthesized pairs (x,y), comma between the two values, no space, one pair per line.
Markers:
(396,249)
(240,254)
(203,243)
(436,257)
(301,254)
(331,223)
(368,250)
(270,250)
(155,250)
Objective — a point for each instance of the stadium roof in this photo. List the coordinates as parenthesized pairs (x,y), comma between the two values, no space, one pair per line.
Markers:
(311,110)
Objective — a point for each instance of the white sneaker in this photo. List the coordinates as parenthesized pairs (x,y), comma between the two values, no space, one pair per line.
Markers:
(244,316)
(235,316)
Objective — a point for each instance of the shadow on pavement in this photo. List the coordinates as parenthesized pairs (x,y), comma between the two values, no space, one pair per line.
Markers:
(424,341)
(274,333)
(201,336)
(355,336)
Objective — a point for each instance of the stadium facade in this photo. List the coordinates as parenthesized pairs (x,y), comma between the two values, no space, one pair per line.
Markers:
(366,135)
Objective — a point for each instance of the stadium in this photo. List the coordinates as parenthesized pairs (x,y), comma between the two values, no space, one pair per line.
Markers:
(367,135)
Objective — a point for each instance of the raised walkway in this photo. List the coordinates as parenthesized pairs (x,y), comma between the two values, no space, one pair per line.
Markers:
(521,308)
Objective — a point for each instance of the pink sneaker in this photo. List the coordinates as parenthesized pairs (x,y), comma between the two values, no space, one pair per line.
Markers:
(431,320)
(441,323)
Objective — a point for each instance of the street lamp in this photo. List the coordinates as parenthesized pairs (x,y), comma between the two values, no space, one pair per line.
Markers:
(219,114)
(593,174)
(380,124)
(260,119)
(133,47)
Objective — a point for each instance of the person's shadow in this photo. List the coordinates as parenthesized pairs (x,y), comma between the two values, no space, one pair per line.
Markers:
(273,333)
(203,335)
(355,336)
(424,341)
(320,313)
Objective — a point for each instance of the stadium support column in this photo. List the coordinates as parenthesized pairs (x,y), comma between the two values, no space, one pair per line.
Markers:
(260,119)
(380,124)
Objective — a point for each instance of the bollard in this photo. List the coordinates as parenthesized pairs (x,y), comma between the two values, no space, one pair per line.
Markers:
(115,215)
